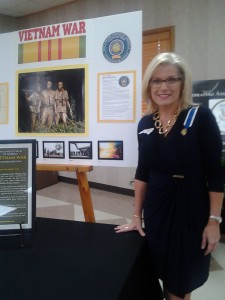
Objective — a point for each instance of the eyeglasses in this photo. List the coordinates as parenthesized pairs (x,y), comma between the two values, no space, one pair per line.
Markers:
(169,81)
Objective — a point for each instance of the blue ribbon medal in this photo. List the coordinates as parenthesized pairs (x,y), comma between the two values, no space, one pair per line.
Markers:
(189,119)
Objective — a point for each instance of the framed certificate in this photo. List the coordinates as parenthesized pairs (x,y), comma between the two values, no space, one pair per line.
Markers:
(4,103)
(17,186)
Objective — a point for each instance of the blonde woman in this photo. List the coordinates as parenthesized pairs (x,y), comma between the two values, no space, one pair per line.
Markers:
(178,182)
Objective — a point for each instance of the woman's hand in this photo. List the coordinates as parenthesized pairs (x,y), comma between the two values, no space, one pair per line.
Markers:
(136,224)
(210,237)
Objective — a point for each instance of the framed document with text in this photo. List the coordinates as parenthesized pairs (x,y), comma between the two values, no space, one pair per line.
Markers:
(4,103)
(17,186)
(117,97)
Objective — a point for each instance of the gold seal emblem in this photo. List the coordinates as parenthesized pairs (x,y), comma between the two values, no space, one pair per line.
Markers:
(183,131)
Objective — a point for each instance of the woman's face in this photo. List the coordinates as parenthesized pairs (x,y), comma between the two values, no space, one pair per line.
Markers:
(166,93)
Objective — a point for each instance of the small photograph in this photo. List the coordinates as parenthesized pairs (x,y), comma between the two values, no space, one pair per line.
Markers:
(53,150)
(80,150)
(37,154)
(112,150)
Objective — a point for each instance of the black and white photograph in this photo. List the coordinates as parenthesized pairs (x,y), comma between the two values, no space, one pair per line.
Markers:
(80,150)
(53,149)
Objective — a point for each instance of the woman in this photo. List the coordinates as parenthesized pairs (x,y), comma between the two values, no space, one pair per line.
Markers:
(178,181)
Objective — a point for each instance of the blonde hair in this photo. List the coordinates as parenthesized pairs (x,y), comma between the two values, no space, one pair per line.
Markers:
(179,63)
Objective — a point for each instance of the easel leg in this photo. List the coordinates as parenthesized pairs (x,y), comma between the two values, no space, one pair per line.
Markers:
(85,197)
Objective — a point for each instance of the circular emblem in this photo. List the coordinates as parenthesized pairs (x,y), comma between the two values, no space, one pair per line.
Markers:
(124,81)
(116,47)
(219,112)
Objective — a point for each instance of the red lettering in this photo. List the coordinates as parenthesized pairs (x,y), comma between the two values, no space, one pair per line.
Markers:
(52,31)
(82,27)
(67,28)
(42,33)
(48,32)
(28,35)
(74,30)
(35,33)
(55,30)
(21,35)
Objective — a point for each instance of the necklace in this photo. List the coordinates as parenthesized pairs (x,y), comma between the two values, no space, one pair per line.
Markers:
(158,124)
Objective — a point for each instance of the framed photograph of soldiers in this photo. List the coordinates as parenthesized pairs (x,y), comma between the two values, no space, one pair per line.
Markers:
(80,150)
(112,150)
(53,149)
(52,101)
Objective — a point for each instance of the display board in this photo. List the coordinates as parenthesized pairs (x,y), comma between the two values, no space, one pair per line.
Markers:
(76,88)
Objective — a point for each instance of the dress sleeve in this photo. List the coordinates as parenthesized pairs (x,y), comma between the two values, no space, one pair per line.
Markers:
(142,171)
(211,142)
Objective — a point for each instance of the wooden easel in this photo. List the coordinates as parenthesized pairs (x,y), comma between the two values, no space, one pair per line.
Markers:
(81,172)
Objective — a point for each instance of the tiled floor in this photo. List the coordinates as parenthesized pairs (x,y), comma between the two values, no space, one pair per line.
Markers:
(62,201)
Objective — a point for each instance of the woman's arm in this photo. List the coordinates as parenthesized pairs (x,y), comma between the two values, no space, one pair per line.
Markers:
(212,156)
(136,223)
(211,233)
(216,202)
(139,193)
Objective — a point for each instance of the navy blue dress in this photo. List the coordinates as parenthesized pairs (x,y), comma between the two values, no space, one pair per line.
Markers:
(180,171)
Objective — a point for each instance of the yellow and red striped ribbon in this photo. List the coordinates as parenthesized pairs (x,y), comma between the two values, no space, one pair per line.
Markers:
(55,49)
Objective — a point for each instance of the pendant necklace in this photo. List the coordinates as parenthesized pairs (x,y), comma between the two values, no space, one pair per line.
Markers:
(158,124)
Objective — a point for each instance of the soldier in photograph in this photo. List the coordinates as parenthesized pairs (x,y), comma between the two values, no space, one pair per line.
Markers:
(62,104)
(47,106)
(34,101)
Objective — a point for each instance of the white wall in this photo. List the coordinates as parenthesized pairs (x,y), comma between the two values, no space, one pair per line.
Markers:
(199,38)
